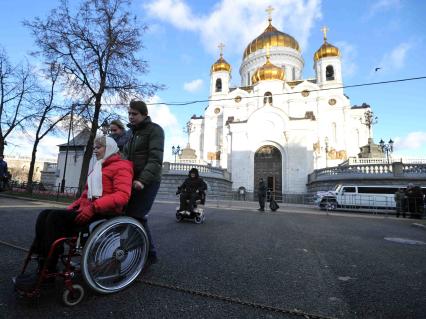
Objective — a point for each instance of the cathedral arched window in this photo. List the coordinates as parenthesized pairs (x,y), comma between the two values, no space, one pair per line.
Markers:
(329,73)
(219,85)
(267,98)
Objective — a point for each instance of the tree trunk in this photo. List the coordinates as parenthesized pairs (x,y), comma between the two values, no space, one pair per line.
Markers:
(88,152)
(31,172)
(1,144)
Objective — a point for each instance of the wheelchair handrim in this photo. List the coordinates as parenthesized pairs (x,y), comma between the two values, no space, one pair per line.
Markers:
(115,255)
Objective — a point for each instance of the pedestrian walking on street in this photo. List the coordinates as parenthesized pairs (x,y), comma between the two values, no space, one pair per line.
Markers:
(145,149)
(400,200)
(3,172)
(261,193)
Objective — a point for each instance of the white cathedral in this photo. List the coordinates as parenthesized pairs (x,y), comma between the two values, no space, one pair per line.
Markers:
(277,125)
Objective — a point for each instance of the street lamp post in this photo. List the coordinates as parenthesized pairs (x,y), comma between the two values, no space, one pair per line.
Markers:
(176,151)
(66,153)
(387,148)
(326,151)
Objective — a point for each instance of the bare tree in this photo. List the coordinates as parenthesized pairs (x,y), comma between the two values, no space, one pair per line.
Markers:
(48,115)
(96,45)
(16,89)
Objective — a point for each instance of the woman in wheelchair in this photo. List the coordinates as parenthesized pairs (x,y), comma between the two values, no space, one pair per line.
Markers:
(106,194)
(191,190)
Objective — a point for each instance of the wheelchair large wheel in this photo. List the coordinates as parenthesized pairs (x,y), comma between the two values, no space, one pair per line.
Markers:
(114,255)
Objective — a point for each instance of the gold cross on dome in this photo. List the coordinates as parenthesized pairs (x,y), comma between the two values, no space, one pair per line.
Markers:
(269,9)
(324,30)
(221,46)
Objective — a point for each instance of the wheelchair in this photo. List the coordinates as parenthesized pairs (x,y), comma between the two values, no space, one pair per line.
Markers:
(197,214)
(108,254)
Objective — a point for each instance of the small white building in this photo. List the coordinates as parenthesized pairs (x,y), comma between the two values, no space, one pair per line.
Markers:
(73,158)
(277,125)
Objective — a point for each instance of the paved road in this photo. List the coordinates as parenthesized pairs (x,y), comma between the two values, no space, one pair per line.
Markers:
(335,265)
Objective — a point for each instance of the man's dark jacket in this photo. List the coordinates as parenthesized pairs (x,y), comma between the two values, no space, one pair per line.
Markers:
(261,189)
(145,149)
(191,185)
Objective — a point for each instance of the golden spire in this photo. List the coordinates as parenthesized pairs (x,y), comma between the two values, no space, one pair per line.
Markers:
(221,46)
(327,49)
(324,30)
(221,64)
(269,10)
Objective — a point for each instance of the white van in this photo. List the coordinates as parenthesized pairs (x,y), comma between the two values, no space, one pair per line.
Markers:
(358,196)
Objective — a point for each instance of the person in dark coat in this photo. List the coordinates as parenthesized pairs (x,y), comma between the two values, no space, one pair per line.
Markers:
(261,193)
(400,199)
(145,148)
(118,133)
(3,171)
(192,189)
(106,194)
(415,201)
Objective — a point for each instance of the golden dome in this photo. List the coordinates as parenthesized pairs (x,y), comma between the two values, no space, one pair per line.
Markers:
(221,65)
(268,71)
(326,50)
(273,38)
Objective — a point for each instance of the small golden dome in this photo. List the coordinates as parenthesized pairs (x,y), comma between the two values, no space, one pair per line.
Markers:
(326,50)
(273,38)
(268,71)
(221,65)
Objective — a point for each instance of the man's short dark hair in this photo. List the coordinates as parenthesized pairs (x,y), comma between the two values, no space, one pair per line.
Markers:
(139,106)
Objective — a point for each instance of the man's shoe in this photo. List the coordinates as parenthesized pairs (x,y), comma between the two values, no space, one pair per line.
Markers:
(261,210)
(152,259)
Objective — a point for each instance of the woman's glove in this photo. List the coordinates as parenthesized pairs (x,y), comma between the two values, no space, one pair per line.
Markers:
(73,206)
(85,214)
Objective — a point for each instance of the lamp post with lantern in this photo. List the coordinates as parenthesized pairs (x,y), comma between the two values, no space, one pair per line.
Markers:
(176,151)
(387,148)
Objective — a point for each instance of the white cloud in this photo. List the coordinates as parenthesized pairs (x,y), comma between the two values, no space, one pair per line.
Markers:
(193,86)
(237,22)
(381,6)
(173,132)
(412,141)
(348,53)
(395,59)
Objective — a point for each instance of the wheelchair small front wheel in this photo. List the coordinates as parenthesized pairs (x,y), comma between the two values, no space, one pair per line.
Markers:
(179,217)
(72,297)
(114,255)
(198,219)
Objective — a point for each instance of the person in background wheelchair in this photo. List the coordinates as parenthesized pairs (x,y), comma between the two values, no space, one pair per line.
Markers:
(106,194)
(191,190)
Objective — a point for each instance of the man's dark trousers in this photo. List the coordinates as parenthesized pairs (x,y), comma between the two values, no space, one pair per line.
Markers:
(262,201)
(140,204)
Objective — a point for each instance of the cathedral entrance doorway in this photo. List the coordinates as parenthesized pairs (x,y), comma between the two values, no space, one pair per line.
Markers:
(268,165)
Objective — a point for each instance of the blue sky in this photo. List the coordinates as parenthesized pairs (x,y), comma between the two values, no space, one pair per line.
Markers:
(181,44)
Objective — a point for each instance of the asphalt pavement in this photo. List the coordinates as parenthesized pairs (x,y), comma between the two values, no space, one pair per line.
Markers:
(242,263)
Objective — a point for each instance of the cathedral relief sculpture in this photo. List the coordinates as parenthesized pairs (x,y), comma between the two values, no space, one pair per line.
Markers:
(336,155)
(213,156)
(316,147)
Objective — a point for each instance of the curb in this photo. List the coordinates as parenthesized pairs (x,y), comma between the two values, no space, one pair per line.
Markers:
(33,199)
(423,226)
